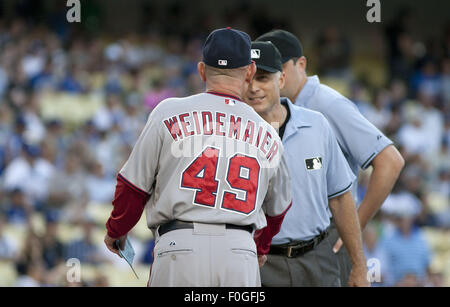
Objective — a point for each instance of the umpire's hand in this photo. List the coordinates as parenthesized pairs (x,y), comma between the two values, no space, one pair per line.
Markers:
(111,243)
(358,277)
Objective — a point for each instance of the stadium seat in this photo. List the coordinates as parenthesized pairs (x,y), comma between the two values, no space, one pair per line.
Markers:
(8,274)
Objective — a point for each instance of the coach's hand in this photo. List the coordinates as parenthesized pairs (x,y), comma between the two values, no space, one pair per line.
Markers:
(262,259)
(111,245)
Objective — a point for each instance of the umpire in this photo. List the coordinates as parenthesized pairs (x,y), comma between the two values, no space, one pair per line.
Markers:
(361,142)
(320,179)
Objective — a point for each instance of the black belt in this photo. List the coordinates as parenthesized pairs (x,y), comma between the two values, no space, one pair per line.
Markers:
(297,248)
(176,224)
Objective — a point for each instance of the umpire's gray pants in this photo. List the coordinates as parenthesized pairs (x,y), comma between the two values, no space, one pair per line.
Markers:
(206,256)
(316,268)
(345,264)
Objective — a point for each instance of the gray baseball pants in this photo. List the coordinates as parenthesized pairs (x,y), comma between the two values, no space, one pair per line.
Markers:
(316,268)
(207,256)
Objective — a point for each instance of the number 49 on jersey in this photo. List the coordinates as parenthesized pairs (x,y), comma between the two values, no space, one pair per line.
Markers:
(242,174)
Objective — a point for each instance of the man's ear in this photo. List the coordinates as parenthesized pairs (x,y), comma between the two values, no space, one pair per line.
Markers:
(282,80)
(302,63)
(251,71)
(201,71)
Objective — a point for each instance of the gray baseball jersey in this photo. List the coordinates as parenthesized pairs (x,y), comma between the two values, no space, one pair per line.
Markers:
(359,140)
(209,158)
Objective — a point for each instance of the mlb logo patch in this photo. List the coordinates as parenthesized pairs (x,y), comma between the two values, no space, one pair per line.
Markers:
(313,163)
(230,102)
(256,53)
(223,62)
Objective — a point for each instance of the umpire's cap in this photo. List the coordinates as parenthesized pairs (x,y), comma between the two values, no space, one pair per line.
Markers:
(266,56)
(286,42)
(227,48)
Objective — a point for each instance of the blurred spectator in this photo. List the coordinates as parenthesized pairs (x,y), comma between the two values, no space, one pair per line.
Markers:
(57,140)
(33,62)
(35,129)
(400,50)
(435,279)
(379,113)
(132,122)
(147,258)
(410,280)
(5,126)
(407,251)
(86,137)
(29,275)
(440,161)
(52,247)
(443,188)
(72,81)
(108,150)
(413,183)
(18,209)
(29,264)
(427,80)
(14,138)
(413,135)
(446,140)
(30,173)
(157,94)
(100,188)
(443,183)
(445,86)
(110,114)
(3,81)
(8,246)
(100,280)
(44,79)
(334,53)
(84,249)
(359,96)
(433,121)
(374,251)
(68,193)
(398,92)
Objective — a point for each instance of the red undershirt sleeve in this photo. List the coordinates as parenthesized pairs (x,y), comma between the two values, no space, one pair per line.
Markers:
(129,203)
(263,237)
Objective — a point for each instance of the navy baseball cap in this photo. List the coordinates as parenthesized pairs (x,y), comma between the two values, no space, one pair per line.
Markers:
(266,56)
(227,48)
(286,42)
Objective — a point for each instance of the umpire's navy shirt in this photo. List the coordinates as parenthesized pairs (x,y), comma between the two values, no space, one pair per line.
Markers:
(359,140)
(318,172)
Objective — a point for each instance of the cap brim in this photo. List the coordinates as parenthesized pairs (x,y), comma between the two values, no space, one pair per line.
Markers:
(267,68)
(285,59)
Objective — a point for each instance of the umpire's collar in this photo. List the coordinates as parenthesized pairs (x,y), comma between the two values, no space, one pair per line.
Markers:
(307,90)
(296,121)
(298,118)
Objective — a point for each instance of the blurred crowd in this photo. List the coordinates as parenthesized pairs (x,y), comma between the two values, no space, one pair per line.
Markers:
(57,167)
